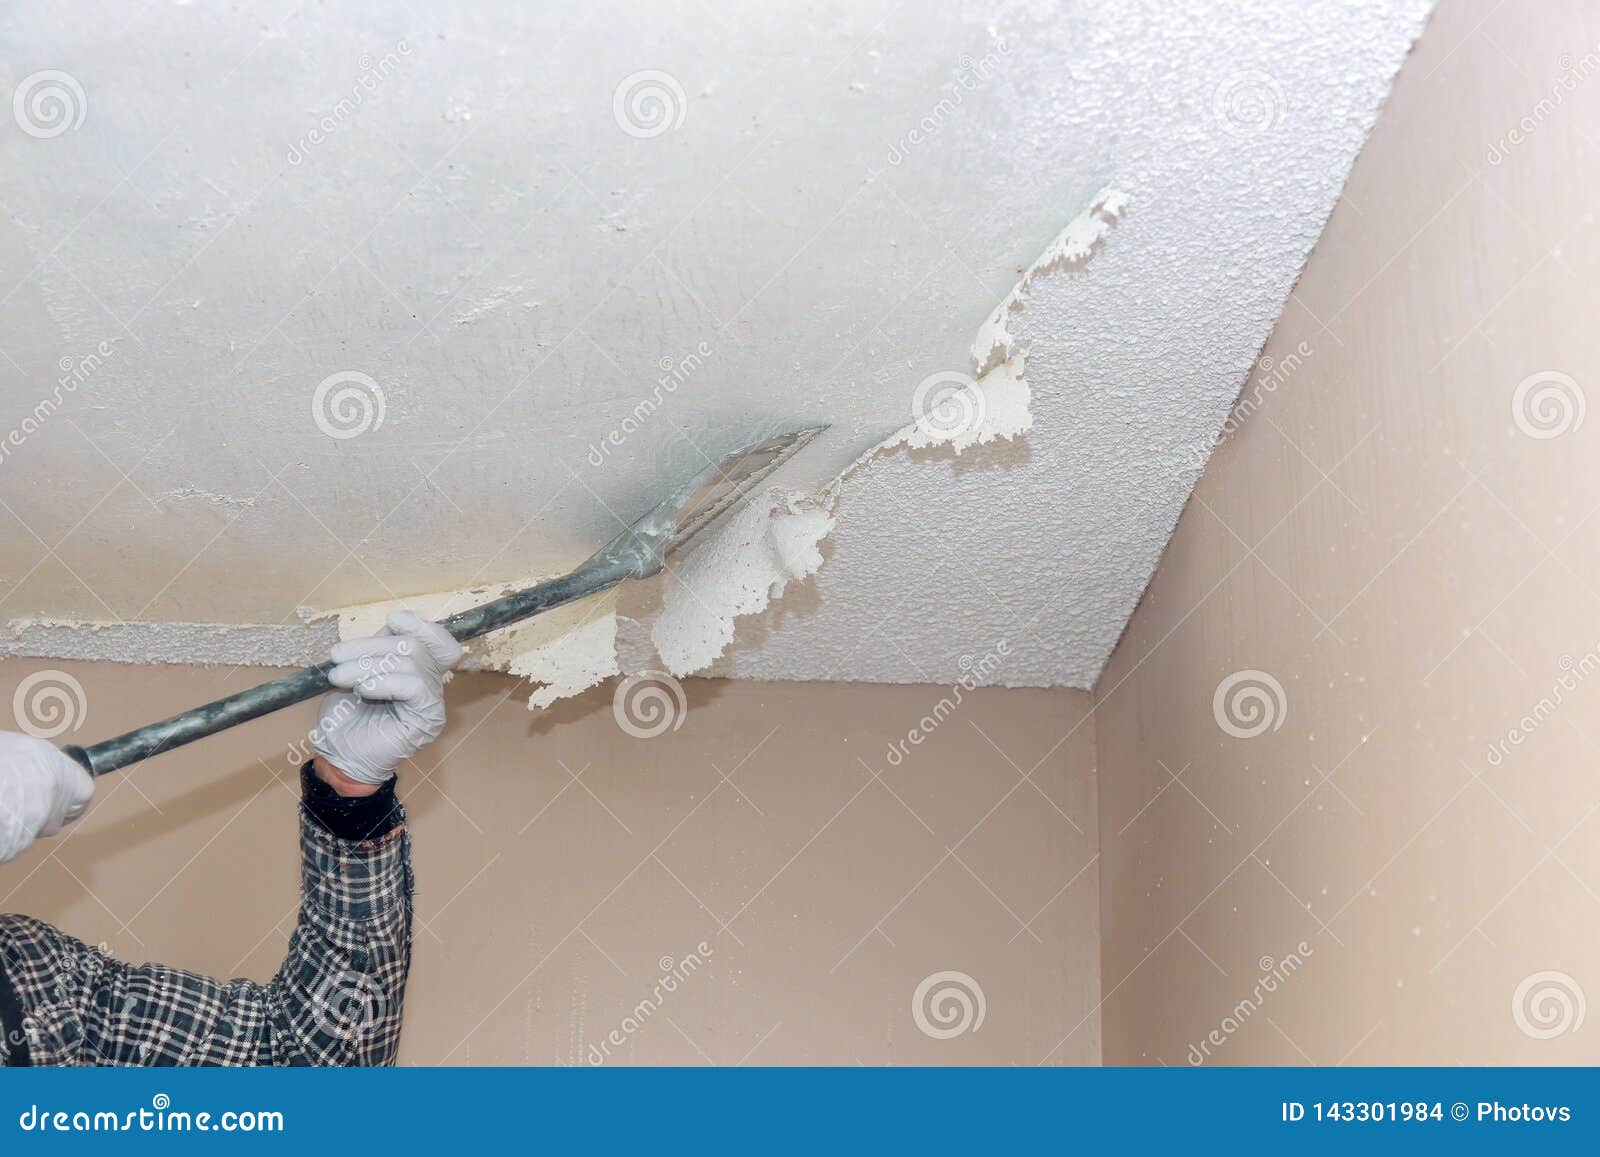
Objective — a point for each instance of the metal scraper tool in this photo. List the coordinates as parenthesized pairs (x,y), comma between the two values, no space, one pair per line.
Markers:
(638,552)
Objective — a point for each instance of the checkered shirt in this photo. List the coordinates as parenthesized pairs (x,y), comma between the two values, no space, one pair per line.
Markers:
(335,1001)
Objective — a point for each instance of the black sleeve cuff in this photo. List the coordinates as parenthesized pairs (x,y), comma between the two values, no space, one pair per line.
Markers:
(367,817)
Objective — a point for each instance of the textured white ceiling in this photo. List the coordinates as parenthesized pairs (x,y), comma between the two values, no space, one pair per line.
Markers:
(461,211)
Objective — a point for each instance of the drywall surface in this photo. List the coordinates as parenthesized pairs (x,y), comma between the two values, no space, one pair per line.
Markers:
(799,888)
(1349,811)
(365,305)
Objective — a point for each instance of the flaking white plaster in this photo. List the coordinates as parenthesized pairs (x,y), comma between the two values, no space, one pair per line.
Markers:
(836,213)
(745,564)
(1072,247)
(753,557)
(563,651)
(749,559)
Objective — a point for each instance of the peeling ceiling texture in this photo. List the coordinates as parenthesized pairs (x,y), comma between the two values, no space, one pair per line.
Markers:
(311,307)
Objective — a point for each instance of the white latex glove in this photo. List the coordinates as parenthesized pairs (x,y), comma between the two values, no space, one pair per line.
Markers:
(41,791)
(394,704)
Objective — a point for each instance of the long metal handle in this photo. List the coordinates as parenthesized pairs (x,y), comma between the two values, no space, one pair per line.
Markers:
(599,574)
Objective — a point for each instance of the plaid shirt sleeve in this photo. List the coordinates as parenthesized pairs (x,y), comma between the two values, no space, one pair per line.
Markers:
(336,1000)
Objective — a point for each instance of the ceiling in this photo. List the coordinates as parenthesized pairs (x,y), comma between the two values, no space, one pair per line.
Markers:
(316,306)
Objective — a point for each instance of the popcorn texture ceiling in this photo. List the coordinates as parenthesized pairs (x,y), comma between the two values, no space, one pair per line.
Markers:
(311,307)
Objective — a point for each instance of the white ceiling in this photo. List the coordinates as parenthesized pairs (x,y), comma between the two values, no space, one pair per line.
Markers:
(447,201)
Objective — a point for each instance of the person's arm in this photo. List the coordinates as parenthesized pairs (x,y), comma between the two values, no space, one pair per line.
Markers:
(337,999)
(41,791)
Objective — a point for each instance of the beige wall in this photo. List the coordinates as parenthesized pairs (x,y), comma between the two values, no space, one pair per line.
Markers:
(825,882)
(1385,539)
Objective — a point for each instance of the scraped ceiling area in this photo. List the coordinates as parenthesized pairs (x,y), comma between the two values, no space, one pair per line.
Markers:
(310,309)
